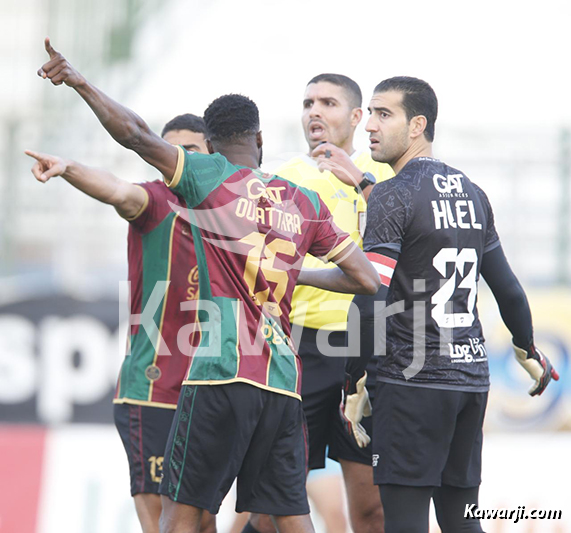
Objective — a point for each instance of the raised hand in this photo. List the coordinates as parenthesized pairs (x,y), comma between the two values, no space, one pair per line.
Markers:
(335,159)
(58,69)
(124,125)
(46,166)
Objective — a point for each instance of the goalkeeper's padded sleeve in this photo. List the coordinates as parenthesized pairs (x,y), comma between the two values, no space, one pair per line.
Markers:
(509,295)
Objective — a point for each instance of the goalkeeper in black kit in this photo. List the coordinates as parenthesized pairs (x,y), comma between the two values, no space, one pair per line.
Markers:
(430,233)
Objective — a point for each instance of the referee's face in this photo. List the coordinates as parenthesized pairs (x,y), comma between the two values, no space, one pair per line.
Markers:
(327,115)
(191,141)
(388,127)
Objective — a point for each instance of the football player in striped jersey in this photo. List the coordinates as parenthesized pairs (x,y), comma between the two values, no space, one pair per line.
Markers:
(239,412)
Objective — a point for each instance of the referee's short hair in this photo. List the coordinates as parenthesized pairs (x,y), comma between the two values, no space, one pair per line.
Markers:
(351,87)
(231,117)
(187,121)
(418,98)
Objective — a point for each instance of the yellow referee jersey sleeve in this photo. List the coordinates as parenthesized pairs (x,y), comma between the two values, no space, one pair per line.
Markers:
(316,308)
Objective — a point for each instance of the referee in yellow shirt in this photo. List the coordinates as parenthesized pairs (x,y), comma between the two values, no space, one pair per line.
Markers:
(331,113)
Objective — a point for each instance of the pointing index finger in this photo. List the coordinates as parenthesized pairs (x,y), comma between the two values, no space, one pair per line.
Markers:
(33,154)
(49,48)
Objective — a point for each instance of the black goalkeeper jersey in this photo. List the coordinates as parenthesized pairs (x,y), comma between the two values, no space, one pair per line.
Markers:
(441,224)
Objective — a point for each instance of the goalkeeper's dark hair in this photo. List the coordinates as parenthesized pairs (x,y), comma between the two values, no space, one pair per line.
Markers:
(231,117)
(351,87)
(418,98)
(185,122)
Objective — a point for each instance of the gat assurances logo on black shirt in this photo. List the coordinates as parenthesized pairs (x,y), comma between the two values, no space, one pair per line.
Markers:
(462,214)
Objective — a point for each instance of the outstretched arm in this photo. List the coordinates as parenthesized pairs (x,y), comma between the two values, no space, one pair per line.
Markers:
(125,126)
(128,199)
(354,275)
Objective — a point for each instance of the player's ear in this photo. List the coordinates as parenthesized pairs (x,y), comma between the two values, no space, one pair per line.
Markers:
(259,140)
(356,116)
(417,126)
(210,147)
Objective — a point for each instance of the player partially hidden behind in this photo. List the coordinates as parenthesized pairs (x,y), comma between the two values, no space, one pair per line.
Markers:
(239,412)
(152,372)
(431,232)
(331,113)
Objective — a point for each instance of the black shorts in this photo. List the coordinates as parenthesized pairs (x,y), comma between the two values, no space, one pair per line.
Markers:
(322,381)
(236,430)
(427,437)
(144,431)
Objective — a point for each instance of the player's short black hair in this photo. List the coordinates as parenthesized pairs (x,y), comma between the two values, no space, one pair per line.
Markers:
(351,87)
(185,122)
(231,117)
(419,98)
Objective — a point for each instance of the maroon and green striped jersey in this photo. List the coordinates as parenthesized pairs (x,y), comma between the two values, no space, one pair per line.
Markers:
(251,232)
(162,275)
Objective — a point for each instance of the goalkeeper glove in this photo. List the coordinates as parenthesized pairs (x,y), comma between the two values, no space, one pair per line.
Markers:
(354,406)
(537,366)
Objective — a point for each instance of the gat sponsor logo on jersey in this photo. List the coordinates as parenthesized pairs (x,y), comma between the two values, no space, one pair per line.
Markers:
(261,207)
(453,211)
(449,186)
(257,189)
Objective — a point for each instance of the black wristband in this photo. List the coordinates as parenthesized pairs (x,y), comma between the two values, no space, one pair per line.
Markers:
(368,179)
